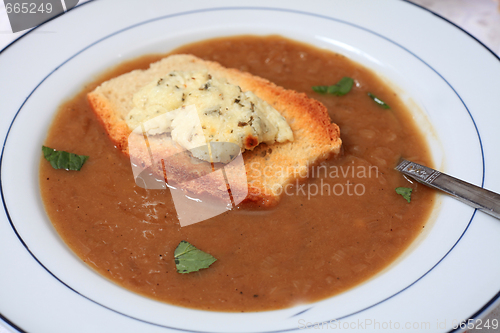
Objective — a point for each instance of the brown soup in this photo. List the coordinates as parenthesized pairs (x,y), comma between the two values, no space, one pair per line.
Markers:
(326,235)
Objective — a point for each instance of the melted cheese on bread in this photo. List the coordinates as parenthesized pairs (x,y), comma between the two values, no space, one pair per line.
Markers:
(225,112)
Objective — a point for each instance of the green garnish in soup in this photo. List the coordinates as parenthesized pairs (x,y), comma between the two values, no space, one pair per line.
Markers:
(190,259)
(339,89)
(60,159)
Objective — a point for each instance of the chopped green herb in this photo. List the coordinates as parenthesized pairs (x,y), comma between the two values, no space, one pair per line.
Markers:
(341,88)
(379,101)
(320,89)
(189,259)
(405,192)
(63,160)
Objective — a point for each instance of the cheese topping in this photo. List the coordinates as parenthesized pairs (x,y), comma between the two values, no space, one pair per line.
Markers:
(225,113)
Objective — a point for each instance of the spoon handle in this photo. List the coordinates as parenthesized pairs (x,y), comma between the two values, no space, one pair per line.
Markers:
(472,195)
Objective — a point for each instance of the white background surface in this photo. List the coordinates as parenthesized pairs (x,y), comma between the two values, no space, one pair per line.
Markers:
(481,18)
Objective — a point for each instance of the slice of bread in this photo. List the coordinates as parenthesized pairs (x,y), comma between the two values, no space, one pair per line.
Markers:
(268,168)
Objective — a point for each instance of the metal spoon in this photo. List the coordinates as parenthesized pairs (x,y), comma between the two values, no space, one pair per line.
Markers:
(472,195)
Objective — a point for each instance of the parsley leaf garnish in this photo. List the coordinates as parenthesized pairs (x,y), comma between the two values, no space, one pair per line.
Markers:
(320,89)
(379,101)
(341,88)
(405,192)
(60,159)
(189,259)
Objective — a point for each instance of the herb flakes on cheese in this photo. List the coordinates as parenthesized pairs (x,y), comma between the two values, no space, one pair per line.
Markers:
(226,113)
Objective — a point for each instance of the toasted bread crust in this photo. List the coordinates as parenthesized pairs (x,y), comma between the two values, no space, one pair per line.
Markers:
(268,168)
(116,128)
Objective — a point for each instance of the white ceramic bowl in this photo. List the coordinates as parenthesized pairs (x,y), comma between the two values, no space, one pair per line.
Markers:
(449,80)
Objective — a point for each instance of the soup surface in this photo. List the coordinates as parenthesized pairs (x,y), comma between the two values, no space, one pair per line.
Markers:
(341,227)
